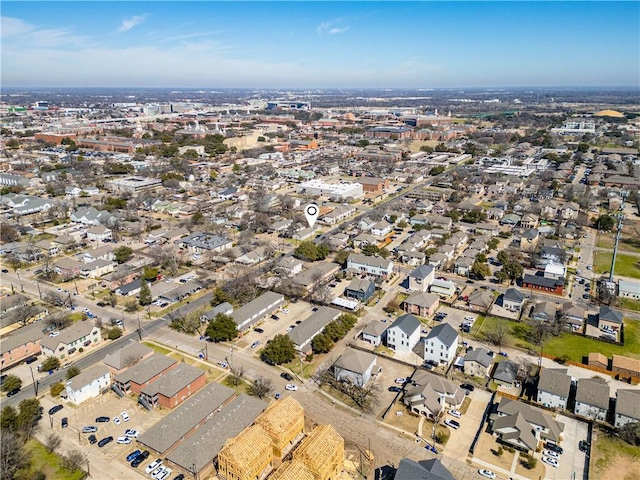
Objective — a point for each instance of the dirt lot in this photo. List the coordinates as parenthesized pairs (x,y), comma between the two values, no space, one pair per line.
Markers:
(613,458)
(484,452)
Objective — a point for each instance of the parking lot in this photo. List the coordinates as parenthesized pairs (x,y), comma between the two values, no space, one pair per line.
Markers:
(455,317)
(571,462)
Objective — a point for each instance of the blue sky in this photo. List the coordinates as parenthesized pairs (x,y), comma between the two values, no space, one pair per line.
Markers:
(320,44)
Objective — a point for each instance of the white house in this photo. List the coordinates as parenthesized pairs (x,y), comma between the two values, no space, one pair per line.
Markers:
(629,289)
(421,278)
(88,384)
(79,335)
(381,229)
(441,344)
(404,334)
(592,399)
(627,407)
(355,365)
(553,387)
(99,233)
(376,266)
(373,332)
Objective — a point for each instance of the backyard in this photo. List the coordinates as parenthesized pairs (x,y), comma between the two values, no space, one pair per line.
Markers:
(626,265)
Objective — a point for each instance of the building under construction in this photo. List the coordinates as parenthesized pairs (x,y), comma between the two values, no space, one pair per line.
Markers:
(247,456)
(294,470)
(284,423)
(322,453)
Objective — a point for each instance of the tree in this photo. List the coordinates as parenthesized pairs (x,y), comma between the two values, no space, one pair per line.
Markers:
(56,389)
(278,350)
(498,334)
(219,296)
(321,343)
(480,270)
(50,363)
(29,414)
(437,170)
(145,294)
(605,223)
(237,373)
(122,254)
(13,456)
(51,442)
(8,233)
(311,252)
(8,419)
(72,371)
(12,382)
(261,387)
(150,273)
(342,256)
(73,460)
(630,433)
(114,333)
(222,328)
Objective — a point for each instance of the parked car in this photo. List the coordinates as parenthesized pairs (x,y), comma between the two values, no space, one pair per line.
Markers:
(550,461)
(255,344)
(551,454)
(487,473)
(400,380)
(181,476)
(553,447)
(13,392)
(165,474)
(133,455)
(153,465)
(64,422)
(275,317)
(125,416)
(131,433)
(258,330)
(140,458)
(452,423)
(583,446)
(103,419)
(455,413)
(55,408)
(92,439)
(104,441)
(291,387)
(116,420)
(467,386)
(123,440)
(287,376)
(89,429)
(395,389)
(31,359)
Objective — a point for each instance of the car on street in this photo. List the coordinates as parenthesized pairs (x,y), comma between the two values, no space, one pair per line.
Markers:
(487,473)
(467,386)
(291,387)
(290,327)
(223,364)
(105,440)
(125,416)
(103,419)
(258,330)
(553,447)
(549,453)
(255,344)
(55,408)
(452,423)
(13,392)
(131,433)
(504,354)
(395,389)
(400,380)
(275,317)
(586,296)
(469,318)
(277,396)
(133,455)
(64,422)
(179,477)
(140,458)
(431,448)
(116,420)
(287,376)
(550,461)
(89,429)
(92,439)
(4,270)
(153,465)
(455,413)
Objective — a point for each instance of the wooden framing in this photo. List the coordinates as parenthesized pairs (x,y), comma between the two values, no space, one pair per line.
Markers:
(246,456)
(294,470)
(283,421)
(322,453)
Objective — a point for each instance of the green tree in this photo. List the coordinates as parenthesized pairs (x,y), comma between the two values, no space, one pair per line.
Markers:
(114,333)
(402,224)
(437,170)
(145,294)
(12,382)
(311,252)
(56,389)
(29,415)
(321,343)
(219,296)
(480,270)
(150,273)
(222,328)
(278,350)
(493,243)
(72,371)
(122,254)
(342,256)
(8,419)
(605,223)
(454,215)
(197,218)
(50,363)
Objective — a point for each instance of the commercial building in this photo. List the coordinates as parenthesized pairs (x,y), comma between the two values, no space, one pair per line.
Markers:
(340,191)
(257,309)
(141,374)
(174,387)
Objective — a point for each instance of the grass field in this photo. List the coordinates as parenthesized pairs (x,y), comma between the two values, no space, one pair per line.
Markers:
(157,348)
(614,458)
(625,244)
(626,265)
(630,304)
(516,336)
(49,463)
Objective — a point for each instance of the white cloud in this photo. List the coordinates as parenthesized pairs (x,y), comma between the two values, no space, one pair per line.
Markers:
(12,27)
(328,28)
(129,23)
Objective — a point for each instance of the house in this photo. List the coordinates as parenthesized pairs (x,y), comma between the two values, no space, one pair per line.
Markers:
(322,452)
(172,388)
(288,266)
(544,312)
(67,268)
(422,470)
(254,311)
(421,304)
(592,399)
(597,359)
(92,216)
(97,268)
(79,335)
(523,426)
(463,265)
(404,334)
(543,284)
(88,384)
(627,407)
(129,289)
(200,242)
(224,308)
(421,278)
(553,387)
(411,257)
(480,300)
(339,214)
(629,289)
(381,229)
(101,253)
(506,373)
(12,302)
(360,289)
(570,211)
(363,240)
(478,362)
(609,319)
(375,266)
(99,233)
(513,299)
(529,221)
(126,356)
(253,257)
(136,377)
(374,332)
(553,254)
(444,288)
(573,313)
(441,344)
(314,324)
(529,240)
(430,394)
(625,367)
(355,365)
(555,271)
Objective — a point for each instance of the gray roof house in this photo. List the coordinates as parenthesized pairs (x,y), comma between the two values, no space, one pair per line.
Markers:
(404,334)
(311,326)
(421,278)
(422,470)
(164,391)
(553,387)
(592,398)
(127,356)
(88,384)
(440,345)
(373,332)
(478,362)
(355,365)
(506,373)
(627,407)
(513,299)
(135,378)
(610,315)
(431,393)
(225,308)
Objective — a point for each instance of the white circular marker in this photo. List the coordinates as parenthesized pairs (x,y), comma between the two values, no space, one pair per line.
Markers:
(311,212)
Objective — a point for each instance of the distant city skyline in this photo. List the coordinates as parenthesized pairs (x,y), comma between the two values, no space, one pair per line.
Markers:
(320,44)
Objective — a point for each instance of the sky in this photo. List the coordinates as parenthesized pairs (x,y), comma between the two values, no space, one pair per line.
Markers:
(226,44)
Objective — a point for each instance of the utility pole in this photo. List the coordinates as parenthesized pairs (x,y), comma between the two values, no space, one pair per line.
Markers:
(35,382)
(623,194)
(39,292)
(139,329)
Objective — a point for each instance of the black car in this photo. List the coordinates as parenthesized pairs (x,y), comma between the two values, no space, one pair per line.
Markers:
(583,446)
(55,409)
(258,330)
(553,447)
(4,270)
(287,376)
(2,379)
(140,458)
(103,419)
(467,386)
(31,359)
(105,440)
(64,422)
(101,304)
(179,477)
(13,392)
(395,389)
(92,439)
(275,317)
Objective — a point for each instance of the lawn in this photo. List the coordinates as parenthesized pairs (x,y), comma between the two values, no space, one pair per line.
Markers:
(625,244)
(626,265)
(517,332)
(614,458)
(49,463)
(157,348)
(630,304)
(576,346)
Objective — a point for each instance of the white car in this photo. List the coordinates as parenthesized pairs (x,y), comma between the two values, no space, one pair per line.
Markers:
(455,413)
(54,334)
(131,433)
(116,420)
(469,318)
(549,453)
(125,416)
(165,474)
(550,461)
(291,387)
(153,465)
(123,440)
(487,473)
(157,472)
(452,423)
(400,380)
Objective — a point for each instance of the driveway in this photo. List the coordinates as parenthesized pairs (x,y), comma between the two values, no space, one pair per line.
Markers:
(571,462)
(458,445)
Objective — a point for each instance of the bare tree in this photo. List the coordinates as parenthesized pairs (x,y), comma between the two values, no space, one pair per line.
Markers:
(13,456)
(498,334)
(261,387)
(73,460)
(237,374)
(52,441)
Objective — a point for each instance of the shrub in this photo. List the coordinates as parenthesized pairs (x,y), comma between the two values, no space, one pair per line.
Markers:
(528,461)
(80,350)
(114,333)
(442,437)
(56,389)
